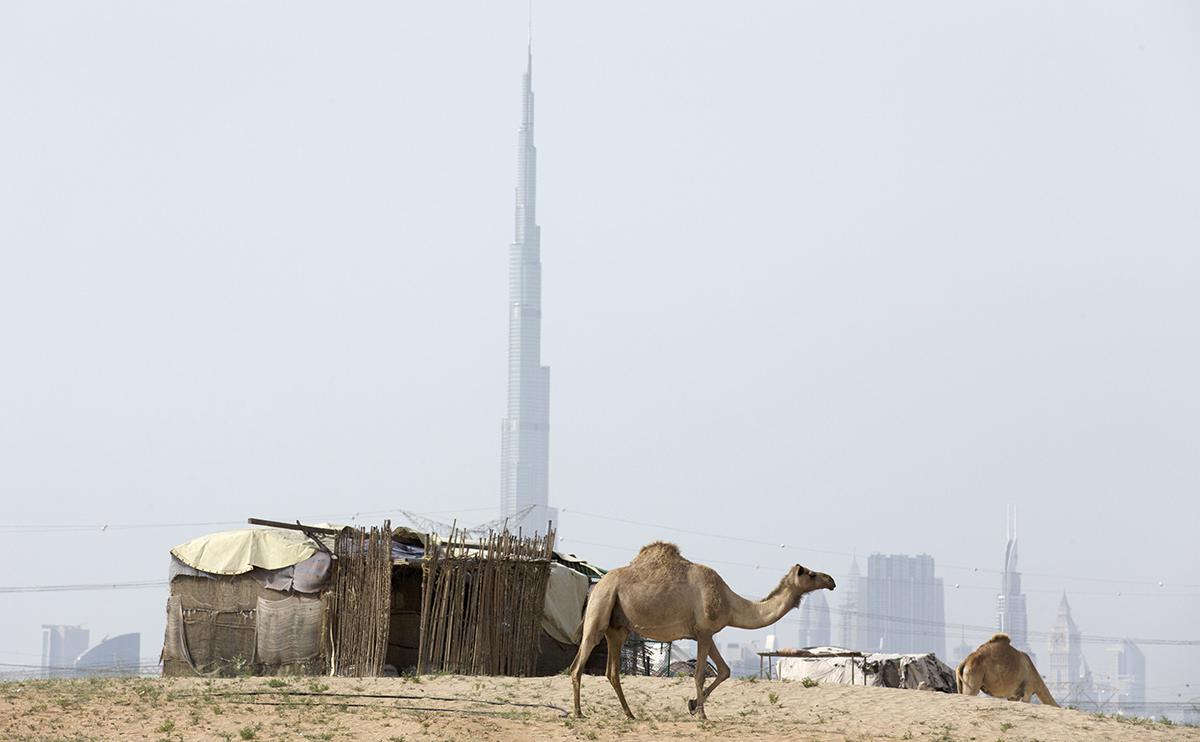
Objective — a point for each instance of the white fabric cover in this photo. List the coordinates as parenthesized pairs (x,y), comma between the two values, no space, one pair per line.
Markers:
(913,671)
(566,593)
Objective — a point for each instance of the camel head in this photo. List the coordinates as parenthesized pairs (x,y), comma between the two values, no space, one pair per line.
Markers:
(804,580)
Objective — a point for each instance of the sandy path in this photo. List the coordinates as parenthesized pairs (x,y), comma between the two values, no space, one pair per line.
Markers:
(487,709)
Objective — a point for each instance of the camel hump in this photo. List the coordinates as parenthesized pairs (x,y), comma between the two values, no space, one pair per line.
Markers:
(659,550)
(1001,638)
(657,557)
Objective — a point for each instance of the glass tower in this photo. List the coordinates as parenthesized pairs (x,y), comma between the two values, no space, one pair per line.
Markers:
(525,430)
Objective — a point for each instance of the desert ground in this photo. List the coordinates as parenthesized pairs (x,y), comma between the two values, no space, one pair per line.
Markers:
(443,708)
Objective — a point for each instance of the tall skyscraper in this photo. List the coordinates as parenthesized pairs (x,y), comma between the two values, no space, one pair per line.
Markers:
(1129,676)
(814,620)
(852,634)
(905,605)
(525,430)
(60,646)
(1011,616)
(1065,672)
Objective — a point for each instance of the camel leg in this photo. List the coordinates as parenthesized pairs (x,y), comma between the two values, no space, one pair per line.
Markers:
(591,637)
(722,671)
(966,685)
(704,645)
(616,640)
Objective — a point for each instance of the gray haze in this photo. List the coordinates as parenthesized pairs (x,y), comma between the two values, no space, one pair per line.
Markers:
(848,277)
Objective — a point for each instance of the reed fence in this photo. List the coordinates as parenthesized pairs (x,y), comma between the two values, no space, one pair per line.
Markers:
(482,603)
(362,600)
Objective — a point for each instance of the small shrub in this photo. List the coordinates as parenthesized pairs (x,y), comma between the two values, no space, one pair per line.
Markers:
(242,667)
(166,726)
(1005,726)
(810,683)
(247,733)
(277,683)
(773,697)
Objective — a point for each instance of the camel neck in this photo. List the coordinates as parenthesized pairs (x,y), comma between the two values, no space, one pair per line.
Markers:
(755,614)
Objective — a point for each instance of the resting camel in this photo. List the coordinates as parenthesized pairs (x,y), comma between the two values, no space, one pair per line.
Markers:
(1001,670)
(664,597)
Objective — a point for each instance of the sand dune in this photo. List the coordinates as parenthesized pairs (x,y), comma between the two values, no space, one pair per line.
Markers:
(476,709)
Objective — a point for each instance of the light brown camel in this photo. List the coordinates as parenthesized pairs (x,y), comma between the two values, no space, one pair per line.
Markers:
(664,597)
(1001,670)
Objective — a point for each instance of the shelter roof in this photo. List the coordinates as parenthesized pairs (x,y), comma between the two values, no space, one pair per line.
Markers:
(237,552)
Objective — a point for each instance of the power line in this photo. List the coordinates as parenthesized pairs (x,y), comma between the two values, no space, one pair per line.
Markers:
(35,528)
(954,586)
(136,585)
(784,545)
(945,625)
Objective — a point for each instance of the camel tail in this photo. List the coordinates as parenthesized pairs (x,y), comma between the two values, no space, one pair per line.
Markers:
(958,673)
(1043,693)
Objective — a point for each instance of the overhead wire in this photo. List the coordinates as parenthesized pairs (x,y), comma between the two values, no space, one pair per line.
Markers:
(943,625)
(954,586)
(787,546)
(36,528)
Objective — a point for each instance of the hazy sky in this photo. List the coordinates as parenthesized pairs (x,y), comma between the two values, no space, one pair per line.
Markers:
(844,276)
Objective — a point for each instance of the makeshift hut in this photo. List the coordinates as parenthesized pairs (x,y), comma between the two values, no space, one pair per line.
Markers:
(293,599)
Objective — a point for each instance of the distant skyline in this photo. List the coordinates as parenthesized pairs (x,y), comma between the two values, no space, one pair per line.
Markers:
(846,278)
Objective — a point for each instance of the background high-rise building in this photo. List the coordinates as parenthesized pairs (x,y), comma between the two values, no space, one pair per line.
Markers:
(814,620)
(905,605)
(60,646)
(1129,677)
(525,430)
(1064,673)
(960,651)
(1011,615)
(114,656)
(852,629)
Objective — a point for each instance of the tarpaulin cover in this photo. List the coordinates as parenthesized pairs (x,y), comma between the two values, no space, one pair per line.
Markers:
(308,576)
(562,613)
(913,671)
(288,631)
(236,552)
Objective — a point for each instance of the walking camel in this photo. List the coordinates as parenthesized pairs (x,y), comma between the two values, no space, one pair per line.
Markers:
(664,597)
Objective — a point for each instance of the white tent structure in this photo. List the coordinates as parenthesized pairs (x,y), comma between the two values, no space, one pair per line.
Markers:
(833,665)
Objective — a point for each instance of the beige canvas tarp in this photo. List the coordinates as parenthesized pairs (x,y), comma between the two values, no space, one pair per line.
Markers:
(233,624)
(562,613)
(237,552)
